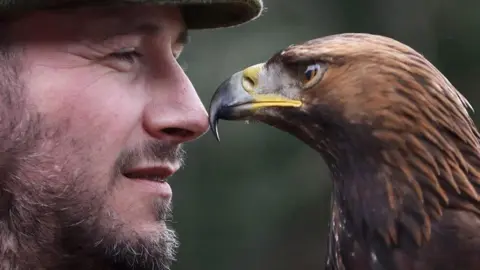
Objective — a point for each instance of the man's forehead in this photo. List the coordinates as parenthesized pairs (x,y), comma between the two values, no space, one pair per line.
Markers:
(119,21)
(106,22)
(143,26)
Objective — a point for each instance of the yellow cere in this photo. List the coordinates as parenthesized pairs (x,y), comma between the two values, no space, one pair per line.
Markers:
(250,77)
(249,83)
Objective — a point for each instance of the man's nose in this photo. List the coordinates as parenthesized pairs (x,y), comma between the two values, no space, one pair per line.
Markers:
(175,113)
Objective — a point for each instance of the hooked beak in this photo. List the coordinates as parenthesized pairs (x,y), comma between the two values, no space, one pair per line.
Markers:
(237,98)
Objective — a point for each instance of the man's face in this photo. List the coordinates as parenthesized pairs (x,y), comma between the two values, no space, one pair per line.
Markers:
(103,108)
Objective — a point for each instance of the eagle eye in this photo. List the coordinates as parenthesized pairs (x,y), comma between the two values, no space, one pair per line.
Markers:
(311,75)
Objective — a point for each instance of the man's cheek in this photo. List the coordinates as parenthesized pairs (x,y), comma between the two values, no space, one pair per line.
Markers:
(96,108)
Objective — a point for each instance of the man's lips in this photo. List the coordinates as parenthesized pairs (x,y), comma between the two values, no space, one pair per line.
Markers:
(153,179)
(157,174)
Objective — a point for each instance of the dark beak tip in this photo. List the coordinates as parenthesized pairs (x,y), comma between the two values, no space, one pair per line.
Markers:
(227,93)
(213,122)
(214,129)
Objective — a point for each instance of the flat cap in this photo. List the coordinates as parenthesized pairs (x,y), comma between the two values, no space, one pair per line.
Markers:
(198,14)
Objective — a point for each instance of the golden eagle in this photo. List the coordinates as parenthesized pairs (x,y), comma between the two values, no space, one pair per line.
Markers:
(403,153)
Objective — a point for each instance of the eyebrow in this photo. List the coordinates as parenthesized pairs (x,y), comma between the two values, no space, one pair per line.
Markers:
(183,37)
(150,28)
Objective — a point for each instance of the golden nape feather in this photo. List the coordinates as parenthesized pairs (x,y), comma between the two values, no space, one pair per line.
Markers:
(401,147)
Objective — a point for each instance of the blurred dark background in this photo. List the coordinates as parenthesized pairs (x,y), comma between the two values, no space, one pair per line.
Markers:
(260,198)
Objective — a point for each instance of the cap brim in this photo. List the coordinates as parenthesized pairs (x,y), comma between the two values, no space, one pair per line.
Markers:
(215,14)
(198,14)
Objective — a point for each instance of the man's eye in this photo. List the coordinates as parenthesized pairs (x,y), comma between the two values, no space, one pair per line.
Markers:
(126,55)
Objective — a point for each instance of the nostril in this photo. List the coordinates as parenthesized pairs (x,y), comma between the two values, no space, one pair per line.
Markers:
(178,132)
(248,83)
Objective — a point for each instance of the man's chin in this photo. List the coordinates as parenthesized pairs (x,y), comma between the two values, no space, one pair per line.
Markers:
(145,245)
(150,229)
(134,237)
(155,249)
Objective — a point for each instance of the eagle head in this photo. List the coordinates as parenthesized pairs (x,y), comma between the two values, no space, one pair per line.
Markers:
(336,86)
(395,133)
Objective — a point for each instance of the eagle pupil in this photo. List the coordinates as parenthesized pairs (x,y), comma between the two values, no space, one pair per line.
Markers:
(310,72)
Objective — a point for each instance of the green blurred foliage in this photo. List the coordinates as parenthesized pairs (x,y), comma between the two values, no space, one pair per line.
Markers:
(260,198)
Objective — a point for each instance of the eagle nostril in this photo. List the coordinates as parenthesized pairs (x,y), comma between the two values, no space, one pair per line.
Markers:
(248,83)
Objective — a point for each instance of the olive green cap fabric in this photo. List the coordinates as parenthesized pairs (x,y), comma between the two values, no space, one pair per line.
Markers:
(199,14)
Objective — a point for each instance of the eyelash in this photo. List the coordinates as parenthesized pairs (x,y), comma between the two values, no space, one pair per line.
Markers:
(129,56)
(132,56)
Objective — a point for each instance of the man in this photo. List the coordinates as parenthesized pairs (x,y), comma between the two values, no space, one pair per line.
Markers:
(94,111)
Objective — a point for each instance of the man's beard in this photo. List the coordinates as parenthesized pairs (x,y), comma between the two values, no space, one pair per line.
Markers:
(90,229)
(51,217)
